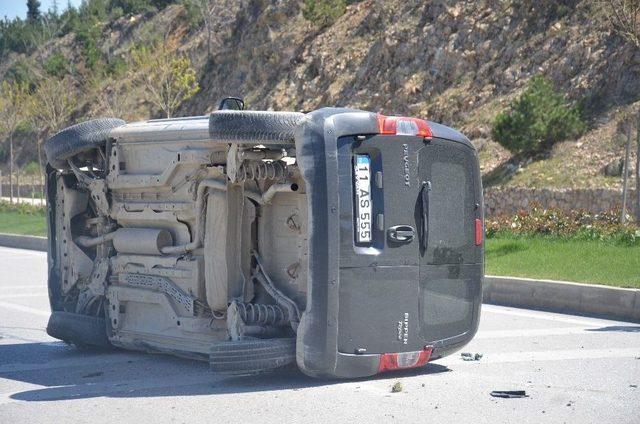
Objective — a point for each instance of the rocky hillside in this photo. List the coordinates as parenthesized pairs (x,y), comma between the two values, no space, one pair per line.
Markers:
(459,63)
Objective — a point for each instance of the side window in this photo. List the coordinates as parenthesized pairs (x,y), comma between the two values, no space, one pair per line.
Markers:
(447,206)
(451,206)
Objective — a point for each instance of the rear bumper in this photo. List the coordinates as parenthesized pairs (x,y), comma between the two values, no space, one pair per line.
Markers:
(317,352)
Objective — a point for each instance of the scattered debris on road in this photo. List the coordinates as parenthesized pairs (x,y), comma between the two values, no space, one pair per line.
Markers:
(93,374)
(467,356)
(509,394)
(397,387)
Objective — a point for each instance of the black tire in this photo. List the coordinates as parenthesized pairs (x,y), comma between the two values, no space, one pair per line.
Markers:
(243,357)
(237,126)
(77,139)
(80,330)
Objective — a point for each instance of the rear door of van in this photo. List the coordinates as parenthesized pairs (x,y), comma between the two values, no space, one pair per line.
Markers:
(411,253)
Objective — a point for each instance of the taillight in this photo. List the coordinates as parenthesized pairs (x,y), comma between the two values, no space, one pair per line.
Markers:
(404,360)
(479,232)
(399,125)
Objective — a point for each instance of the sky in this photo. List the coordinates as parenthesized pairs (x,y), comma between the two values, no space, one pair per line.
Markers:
(13,8)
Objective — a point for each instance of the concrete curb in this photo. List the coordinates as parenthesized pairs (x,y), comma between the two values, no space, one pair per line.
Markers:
(24,242)
(563,297)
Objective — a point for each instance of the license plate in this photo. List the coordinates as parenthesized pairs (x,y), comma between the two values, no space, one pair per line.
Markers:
(362,188)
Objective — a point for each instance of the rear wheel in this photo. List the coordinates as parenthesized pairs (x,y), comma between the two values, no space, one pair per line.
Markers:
(251,356)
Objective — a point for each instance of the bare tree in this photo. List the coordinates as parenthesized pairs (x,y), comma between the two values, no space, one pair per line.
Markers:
(51,107)
(638,169)
(215,15)
(114,97)
(167,76)
(624,18)
(625,174)
(13,107)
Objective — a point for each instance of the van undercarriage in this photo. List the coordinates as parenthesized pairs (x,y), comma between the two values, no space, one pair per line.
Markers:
(252,240)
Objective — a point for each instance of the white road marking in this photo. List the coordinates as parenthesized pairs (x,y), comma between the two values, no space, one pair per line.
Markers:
(548,316)
(24,286)
(20,295)
(26,309)
(546,355)
(12,252)
(12,339)
(536,332)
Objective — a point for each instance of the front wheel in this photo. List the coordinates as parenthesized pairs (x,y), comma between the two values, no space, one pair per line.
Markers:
(78,139)
(247,126)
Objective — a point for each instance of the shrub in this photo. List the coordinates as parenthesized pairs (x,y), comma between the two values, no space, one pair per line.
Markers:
(20,36)
(132,6)
(56,65)
(193,14)
(117,13)
(540,117)
(117,67)
(21,72)
(32,168)
(88,32)
(128,7)
(553,222)
(323,12)
(22,208)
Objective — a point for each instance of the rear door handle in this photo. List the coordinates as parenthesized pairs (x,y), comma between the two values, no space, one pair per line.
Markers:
(401,233)
(424,214)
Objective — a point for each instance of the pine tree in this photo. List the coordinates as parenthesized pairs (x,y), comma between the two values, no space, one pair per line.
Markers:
(33,10)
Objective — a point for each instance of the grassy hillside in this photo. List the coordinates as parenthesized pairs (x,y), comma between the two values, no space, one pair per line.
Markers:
(460,64)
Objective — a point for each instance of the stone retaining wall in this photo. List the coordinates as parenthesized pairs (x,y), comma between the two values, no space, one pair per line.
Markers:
(500,201)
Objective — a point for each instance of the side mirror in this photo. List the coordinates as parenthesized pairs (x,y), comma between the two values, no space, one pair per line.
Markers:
(231,103)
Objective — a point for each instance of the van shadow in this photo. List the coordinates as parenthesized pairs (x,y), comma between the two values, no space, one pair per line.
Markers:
(506,249)
(68,373)
(617,328)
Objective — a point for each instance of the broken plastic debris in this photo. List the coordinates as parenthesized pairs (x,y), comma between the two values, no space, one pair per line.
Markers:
(397,387)
(93,374)
(509,394)
(467,356)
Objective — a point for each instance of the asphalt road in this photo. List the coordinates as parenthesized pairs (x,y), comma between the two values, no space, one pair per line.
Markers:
(574,369)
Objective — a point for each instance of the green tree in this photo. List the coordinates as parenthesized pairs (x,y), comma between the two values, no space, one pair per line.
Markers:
(139,6)
(323,12)
(540,117)
(88,33)
(168,77)
(13,110)
(33,10)
(57,65)
(132,6)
